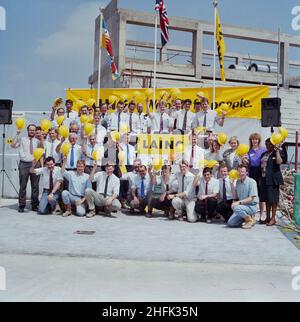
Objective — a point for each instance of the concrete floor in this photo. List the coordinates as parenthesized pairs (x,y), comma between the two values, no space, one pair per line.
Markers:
(133,258)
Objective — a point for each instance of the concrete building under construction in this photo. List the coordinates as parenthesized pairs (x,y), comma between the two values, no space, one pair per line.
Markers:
(135,59)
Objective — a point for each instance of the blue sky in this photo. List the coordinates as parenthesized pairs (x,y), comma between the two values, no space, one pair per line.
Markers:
(48,44)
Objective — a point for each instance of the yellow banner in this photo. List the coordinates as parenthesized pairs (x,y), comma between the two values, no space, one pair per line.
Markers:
(244,102)
(221,46)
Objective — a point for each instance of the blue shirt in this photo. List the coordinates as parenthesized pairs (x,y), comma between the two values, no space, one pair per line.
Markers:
(77,183)
(247,188)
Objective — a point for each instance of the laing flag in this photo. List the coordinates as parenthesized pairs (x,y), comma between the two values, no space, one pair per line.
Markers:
(221,46)
(164,21)
(106,43)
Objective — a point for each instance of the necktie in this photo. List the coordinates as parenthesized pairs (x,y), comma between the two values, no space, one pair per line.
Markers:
(50,182)
(72,160)
(31,146)
(119,118)
(142,188)
(128,154)
(52,149)
(224,190)
(206,191)
(192,157)
(184,121)
(96,130)
(204,121)
(68,114)
(161,124)
(183,183)
(105,188)
(130,122)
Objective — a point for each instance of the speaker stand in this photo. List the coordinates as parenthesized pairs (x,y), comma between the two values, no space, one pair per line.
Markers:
(3,171)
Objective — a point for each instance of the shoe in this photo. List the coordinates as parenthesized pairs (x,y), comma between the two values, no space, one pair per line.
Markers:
(58,212)
(171,216)
(91,213)
(248,222)
(34,208)
(21,209)
(131,211)
(67,213)
(253,221)
(202,219)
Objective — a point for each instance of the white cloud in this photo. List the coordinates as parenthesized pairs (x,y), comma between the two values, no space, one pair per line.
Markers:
(76,40)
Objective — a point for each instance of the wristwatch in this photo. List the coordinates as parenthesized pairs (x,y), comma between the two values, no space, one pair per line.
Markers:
(240,203)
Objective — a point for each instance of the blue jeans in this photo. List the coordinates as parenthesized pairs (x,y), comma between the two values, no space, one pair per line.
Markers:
(239,214)
(69,199)
(46,206)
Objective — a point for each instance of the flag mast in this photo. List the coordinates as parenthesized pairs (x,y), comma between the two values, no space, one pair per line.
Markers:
(155,60)
(214,68)
(99,62)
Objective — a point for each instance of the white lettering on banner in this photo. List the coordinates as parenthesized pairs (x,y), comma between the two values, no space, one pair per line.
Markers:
(296,20)
(296,279)
(2,279)
(2,19)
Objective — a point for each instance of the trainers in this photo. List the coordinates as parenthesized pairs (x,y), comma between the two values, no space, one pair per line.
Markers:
(91,213)
(67,213)
(248,222)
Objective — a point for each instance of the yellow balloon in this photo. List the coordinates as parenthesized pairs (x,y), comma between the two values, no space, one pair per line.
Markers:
(97,155)
(65,148)
(203,163)
(224,107)
(200,95)
(75,107)
(88,128)
(222,138)
(60,119)
(83,118)
(179,148)
(212,163)
(175,92)
(201,129)
(90,118)
(20,123)
(122,156)
(58,102)
(90,102)
(112,99)
(242,149)
(148,92)
(63,131)
(233,174)
(284,132)
(157,164)
(38,153)
(124,97)
(276,138)
(45,125)
(124,129)
(116,136)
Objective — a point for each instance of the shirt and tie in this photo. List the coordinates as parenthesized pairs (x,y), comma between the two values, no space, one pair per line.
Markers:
(142,185)
(119,119)
(208,119)
(107,185)
(100,133)
(74,155)
(208,188)
(26,147)
(184,120)
(184,183)
(129,152)
(50,150)
(225,192)
(49,178)
(160,122)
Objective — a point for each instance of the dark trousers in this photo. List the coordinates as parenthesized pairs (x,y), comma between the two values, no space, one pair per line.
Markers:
(224,209)
(206,208)
(154,202)
(24,175)
(124,189)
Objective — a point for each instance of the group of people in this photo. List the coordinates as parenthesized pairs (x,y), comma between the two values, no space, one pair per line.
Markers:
(184,188)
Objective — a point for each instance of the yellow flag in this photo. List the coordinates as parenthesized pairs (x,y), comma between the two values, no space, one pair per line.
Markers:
(221,46)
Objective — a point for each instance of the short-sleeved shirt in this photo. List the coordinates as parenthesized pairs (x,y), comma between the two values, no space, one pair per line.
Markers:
(77,183)
(45,174)
(212,187)
(211,119)
(188,183)
(138,184)
(113,183)
(247,188)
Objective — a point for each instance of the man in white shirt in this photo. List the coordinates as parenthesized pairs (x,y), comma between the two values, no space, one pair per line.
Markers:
(185,117)
(105,118)
(26,146)
(52,182)
(128,149)
(87,151)
(160,120)
(108,187)
(70,114)
(132,118)
(207,196)
(194,154)
(140,191)
(226,192)
(208,118)
(51,145)
(142,119)
(119,118)
(181,200)
(99,130)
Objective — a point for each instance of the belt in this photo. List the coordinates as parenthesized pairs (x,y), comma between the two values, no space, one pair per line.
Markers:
(71,169)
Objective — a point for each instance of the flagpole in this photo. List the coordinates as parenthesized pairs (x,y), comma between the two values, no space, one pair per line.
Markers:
(100,50)
(214,68)
(155,61)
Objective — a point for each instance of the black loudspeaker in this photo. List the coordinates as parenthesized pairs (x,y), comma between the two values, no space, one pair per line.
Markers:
(270,112)
(6,111)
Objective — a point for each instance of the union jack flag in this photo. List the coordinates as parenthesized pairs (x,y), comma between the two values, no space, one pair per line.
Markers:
(164,21)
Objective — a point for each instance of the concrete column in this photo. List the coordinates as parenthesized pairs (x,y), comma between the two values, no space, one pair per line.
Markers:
(197,51)
(284,63)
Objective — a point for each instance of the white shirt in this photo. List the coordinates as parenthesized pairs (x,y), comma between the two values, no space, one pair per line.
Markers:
(50,150)
(199,154)
(229,195)
(77,156)
(128,148)
(88,157)
(23,143)
(137,184)
(155,122)
(188,183)
(124,120)
(100,133)
(130,176)
(113,184)
(211,119)
(142,122)
(212,187)
(179,116)
(45,173)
